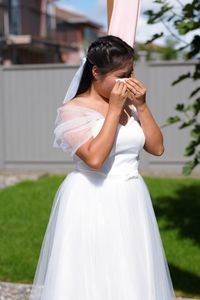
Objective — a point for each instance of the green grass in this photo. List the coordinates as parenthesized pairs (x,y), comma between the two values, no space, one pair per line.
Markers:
(24,213)
(25,210)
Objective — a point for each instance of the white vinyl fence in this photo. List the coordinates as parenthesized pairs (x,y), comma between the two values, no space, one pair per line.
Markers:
(31,94)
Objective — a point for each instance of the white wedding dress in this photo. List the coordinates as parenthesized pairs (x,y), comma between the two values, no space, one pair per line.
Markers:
(102,241)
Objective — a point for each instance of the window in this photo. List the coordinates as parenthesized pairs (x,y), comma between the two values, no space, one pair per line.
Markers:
(14,16)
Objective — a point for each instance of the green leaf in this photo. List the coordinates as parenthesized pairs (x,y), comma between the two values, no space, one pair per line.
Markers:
(154,37)
(182,77)
(195,133)
(172,120)
(190,165)
(154,17)
(187,168)
(195,47)
(171,18)
(187,123)
(190,149)
(182,48)
(189,108)
(159,1)
(180,107)
(196,74)
(194,92)
(196,106)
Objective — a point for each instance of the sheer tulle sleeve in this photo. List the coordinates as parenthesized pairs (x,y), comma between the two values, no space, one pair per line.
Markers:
(74,126)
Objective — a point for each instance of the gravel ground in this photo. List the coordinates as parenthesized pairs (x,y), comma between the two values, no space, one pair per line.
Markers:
(15,291)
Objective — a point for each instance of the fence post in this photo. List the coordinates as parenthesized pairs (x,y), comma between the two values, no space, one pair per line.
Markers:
(2,142)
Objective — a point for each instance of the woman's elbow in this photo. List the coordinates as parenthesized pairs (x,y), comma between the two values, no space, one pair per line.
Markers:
(159,151)
(93,161)
(95,164)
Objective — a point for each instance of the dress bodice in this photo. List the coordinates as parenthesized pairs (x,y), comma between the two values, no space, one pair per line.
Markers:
(124,156)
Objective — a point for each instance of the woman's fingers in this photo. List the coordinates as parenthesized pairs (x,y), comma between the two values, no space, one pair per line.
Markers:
(124,90)
(121,86)
(135,81)
(117,87)
(133,88)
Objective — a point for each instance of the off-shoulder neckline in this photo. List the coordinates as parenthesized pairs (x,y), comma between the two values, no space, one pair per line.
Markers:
(93,110)
(84,107)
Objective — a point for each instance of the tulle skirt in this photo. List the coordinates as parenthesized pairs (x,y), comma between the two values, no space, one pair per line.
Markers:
(102,242)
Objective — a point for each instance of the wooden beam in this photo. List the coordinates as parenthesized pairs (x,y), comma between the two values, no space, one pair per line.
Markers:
(109,11)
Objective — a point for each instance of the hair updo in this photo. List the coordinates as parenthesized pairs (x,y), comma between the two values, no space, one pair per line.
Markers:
(108,53)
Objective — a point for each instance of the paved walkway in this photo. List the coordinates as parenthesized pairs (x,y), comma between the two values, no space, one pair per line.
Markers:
(8,178)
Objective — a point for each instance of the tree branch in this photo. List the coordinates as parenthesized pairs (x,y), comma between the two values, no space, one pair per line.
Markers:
(179,2)
(173,34)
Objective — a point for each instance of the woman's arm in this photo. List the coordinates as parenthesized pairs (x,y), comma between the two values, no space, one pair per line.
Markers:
(96,150)
(153,135)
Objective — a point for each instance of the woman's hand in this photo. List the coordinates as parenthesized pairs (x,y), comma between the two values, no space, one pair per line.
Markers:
(153,135)
(118,96)
(136,92)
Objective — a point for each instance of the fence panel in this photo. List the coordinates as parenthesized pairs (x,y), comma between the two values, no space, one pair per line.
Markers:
(30,95)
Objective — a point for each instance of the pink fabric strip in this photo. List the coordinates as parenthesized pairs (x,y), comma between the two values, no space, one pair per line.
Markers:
(124,20)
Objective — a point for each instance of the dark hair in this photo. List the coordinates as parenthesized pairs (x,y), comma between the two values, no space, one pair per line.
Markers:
(108,53)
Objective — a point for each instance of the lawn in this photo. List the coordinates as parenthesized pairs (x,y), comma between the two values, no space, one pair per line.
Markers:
(25,209)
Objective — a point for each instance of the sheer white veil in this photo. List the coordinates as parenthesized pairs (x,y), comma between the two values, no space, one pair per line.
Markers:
(71,92)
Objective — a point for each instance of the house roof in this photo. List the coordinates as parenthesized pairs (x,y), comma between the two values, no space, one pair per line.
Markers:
(75,18)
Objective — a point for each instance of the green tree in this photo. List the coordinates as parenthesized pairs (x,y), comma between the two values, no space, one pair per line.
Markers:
(179,22)
(166,52)
(169,51)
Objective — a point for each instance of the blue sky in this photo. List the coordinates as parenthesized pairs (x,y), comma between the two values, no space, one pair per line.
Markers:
(96,10)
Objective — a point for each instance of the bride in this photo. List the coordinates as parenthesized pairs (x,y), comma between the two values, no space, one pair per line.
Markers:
(102,241)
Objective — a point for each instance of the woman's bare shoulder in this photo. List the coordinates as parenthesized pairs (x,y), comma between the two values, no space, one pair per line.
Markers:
(74,101)
(79,102)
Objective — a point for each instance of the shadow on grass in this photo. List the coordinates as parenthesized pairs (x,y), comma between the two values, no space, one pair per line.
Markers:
(185,281)
(181,212)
